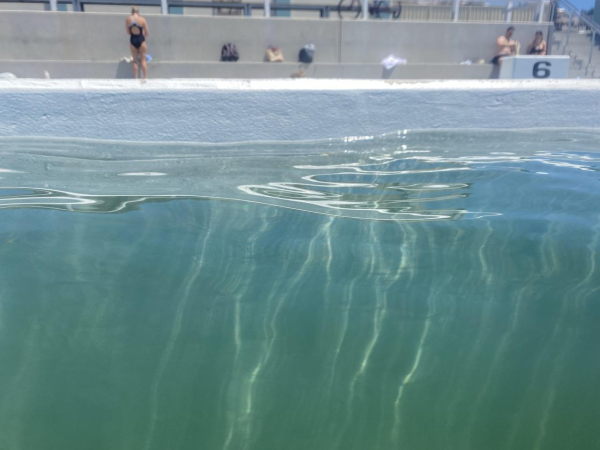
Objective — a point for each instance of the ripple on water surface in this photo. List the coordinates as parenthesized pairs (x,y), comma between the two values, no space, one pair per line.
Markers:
(419,290)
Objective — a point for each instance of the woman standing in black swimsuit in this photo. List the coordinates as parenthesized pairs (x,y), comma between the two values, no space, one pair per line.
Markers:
(137,28)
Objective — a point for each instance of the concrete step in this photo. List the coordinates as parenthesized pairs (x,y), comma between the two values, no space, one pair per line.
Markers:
(578,49)
(163,69)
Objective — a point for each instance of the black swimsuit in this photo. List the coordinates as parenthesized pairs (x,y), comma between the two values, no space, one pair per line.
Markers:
(137,39)
(536,51)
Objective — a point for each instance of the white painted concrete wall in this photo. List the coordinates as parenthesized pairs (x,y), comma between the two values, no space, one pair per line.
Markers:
(243,110)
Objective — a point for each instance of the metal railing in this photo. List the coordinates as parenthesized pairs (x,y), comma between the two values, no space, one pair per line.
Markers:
(528,11)
(583,18)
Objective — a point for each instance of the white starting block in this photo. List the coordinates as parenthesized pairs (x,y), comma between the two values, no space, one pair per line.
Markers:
(535,67)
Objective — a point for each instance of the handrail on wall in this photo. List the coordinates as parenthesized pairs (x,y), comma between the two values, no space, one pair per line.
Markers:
(587,21)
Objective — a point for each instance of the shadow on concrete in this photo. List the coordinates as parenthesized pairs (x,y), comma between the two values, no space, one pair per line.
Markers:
(495,72)
(387,73)
(124,70)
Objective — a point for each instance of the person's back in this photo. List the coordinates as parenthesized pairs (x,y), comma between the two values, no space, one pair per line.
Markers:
(137,28)
(136,23)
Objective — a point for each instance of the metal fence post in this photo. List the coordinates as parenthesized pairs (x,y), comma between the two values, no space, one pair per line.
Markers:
(592,48)
(455,10)
(164,7)
(540,17)
(53,5)
(509,7)
(267,8)
(365,9)
(568,30)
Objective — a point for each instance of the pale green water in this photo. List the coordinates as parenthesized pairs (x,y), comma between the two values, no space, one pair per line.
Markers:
(423,291)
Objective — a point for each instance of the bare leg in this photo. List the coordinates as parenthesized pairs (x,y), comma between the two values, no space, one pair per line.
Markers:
(143,51)
(134,64)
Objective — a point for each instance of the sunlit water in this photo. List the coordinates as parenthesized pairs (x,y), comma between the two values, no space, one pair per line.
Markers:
(419,291)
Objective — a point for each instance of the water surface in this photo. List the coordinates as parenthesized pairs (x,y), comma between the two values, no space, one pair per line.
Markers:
(430,290)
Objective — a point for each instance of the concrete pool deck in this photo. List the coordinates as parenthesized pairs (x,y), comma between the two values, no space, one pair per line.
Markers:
(272,110)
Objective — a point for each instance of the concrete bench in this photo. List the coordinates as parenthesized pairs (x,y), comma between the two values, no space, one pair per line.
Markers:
(255,70)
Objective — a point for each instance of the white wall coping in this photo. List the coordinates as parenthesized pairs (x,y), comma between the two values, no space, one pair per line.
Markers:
(165,85)
(282,110)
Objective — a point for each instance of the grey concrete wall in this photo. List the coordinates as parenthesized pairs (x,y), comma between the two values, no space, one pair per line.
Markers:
(82,69)
(101,37)
(22,7)
(420,42)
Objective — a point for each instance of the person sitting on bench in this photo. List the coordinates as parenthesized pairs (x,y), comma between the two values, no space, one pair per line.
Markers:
(505,46)
(538,46)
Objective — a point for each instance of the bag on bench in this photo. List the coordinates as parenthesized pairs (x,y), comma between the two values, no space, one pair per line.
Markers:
(229,52)
(307,53)
(274,54)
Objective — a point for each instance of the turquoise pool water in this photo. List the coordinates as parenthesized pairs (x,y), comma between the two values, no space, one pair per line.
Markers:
(432,290)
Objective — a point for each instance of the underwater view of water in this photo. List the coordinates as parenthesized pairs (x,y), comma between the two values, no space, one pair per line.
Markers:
(432,290)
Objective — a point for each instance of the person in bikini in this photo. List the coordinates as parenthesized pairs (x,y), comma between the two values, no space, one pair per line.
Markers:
(137,28)
(538,46)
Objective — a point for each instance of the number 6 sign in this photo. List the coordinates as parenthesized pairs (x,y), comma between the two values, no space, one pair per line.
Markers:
(534,66)
(541,69)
